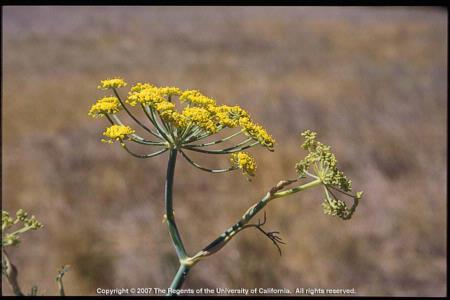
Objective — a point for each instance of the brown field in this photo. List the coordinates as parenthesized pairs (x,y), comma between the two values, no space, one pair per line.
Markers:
(371,81)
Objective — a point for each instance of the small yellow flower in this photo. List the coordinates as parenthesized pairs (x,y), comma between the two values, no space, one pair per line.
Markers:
(116,82)
(245,162)
(140,86)
(169,91)
(174,118)
(164,106)
(117,133)
(196,98)
(105,105)
(146,95)
(228,116)
(257,132)
(168,113)
(200,117)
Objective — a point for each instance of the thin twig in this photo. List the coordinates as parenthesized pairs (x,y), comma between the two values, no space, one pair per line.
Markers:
(272,235)
(61,273)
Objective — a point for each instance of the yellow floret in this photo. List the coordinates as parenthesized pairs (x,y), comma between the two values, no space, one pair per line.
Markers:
(196,98)
(105,105)
(169,91)
(163,106)
(168,113)
(228,116)
(257,132)
(200,117)
(116,82)
(245,162)
(147,95)
(117,133)
(174,118)
(140,86)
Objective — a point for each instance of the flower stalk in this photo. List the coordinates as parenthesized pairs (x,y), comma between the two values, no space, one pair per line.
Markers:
(170,218)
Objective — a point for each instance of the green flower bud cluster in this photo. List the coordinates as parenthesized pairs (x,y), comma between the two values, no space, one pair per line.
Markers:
(27,223)
(335,208)
(320,163)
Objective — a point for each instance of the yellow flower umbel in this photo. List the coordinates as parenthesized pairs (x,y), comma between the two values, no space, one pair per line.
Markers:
(245,162)
(181,120)
(117,133)
(116,82)
(105,105)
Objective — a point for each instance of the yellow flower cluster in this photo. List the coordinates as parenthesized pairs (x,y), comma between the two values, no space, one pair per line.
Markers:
(229,116)
(170,91)
(200,117)
(245,162)
(105,105)
(169,114)
(257,132)
(196,98)
(111,83)
(201,111)
(146,94)
(117,133)
(140,86)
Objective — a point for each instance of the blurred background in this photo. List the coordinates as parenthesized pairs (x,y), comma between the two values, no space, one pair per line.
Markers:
(371,81)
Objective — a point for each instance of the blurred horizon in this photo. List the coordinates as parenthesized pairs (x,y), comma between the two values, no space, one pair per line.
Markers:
(371,81)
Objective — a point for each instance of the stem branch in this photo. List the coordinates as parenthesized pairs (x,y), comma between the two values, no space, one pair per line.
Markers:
(10,271)
(228,234)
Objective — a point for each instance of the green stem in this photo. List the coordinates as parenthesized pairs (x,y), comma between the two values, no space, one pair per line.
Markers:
(156,123)
(145,155)
(222,151)
(203,168)
(297,189)
(179,278)
(173,230)
(218,141)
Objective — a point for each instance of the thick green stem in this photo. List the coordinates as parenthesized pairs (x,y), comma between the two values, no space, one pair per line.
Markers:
(173,230)
(178,280)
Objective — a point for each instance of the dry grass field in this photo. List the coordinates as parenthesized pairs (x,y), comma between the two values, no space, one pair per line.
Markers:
(371,81)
